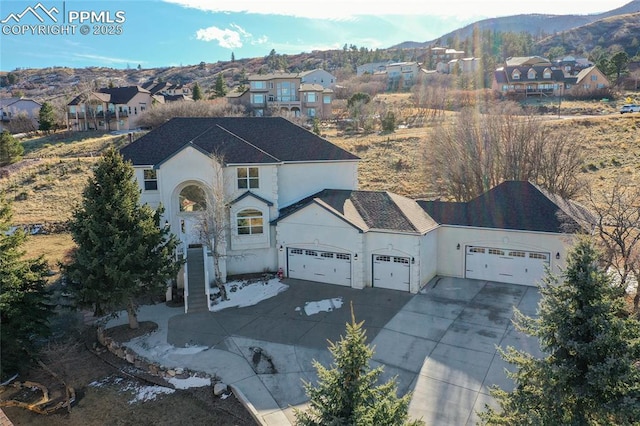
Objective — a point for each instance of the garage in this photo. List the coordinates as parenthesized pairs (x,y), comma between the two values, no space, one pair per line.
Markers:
(391,272)
(506,265)
(322,266)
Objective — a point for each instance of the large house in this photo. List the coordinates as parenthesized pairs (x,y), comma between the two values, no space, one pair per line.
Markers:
(537,76)
(112,108)
(298,94)
(293,204)
(12,108)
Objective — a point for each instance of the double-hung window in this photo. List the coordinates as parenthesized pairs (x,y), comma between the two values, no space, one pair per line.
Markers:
(248,178)
(150,180)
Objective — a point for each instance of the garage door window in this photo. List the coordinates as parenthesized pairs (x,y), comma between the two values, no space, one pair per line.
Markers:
(517,254)
(541,256)
(476,250)
(496,252)
(343,256)
(249,222)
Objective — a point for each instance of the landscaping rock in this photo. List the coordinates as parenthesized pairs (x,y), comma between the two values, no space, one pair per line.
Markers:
(220,388)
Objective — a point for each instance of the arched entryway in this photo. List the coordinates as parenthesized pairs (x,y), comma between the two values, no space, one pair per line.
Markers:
(192,205)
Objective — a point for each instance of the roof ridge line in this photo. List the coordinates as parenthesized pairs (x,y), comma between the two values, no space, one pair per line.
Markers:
(391,196)
(247,142)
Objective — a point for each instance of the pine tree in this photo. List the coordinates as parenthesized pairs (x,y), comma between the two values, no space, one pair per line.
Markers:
(122,252)
(348,393)
(11,149)
(24,307)
(47,117)
(196,94)
(220,88)
(590,374)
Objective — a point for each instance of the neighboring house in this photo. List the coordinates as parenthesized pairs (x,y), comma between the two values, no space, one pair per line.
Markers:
(293,204)
(463,65)
(167,89)
(10,108)
(402,75)
(587,80)
(537,76)
(116,108)
(286,92)
(372,68)
(318,76)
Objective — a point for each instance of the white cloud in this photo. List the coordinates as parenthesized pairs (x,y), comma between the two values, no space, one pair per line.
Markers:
(225,38)
(230,38)
(339,9)
(108,59)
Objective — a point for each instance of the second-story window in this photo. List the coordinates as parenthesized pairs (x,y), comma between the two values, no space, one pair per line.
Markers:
(248,178)
(311,97)
(150,180)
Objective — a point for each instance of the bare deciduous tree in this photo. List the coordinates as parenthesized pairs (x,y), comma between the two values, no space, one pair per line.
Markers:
(617,211)
(214,222)
(478,151)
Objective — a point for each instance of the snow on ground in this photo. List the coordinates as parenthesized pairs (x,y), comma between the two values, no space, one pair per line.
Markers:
(141,393)
(242,294)
(326,305)
(190,382)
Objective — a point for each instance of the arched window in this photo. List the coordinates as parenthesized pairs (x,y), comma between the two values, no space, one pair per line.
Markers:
(547,73)
(249,222)
(531,75)
(192,199)
(515,75)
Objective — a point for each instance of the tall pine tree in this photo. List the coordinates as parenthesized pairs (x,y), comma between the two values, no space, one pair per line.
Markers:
(24,300)
(220,87)
(47,117)
(590,375)
(348,393)
(122,252)
(196,94)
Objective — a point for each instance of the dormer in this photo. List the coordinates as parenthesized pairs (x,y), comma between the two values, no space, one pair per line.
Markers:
(546,74)
(515,74)
(531,74)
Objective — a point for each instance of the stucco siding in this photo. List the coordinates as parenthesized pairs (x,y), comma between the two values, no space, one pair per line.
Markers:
(299,180)
(451,259)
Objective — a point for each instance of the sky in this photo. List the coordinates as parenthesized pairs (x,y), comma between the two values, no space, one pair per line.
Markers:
(161,33)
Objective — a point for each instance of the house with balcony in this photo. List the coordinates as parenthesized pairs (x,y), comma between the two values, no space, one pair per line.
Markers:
(524,77)
(318,76)
(287,93)
(402,75)
(113,108)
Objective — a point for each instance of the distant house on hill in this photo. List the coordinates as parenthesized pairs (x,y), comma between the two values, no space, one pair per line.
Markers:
(318,76)
(287,93)
(116,108)
(536,76)
(167,89)
(12,108)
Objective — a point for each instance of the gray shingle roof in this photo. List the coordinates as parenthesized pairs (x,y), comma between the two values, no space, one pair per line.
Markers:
(239,140)
(369,210)
(513,205)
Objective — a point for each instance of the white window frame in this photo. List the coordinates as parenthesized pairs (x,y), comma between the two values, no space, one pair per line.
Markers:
(248,177)
(249,220)
(150,179)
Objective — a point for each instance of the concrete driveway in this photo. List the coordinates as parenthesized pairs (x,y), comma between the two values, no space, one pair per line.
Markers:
(441,344)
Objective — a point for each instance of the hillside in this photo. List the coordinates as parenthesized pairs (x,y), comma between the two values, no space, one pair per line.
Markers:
(621,30)
(534,24)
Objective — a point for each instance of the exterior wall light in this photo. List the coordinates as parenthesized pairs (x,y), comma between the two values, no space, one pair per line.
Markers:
(458,246)
(558,255)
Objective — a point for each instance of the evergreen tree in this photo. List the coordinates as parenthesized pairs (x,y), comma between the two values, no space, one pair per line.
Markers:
(220,87)
(122,252)
(348,393)
(47,117)
(24,307)
(196,94)
(11,149)
(588,376)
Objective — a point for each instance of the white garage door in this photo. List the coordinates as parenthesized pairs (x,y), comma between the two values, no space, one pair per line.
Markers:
(322,266)
(504,265)
(391,272)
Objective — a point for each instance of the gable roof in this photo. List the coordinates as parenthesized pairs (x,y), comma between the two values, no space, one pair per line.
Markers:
(513,205)
(122,95)
(238,140)
(369,210)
